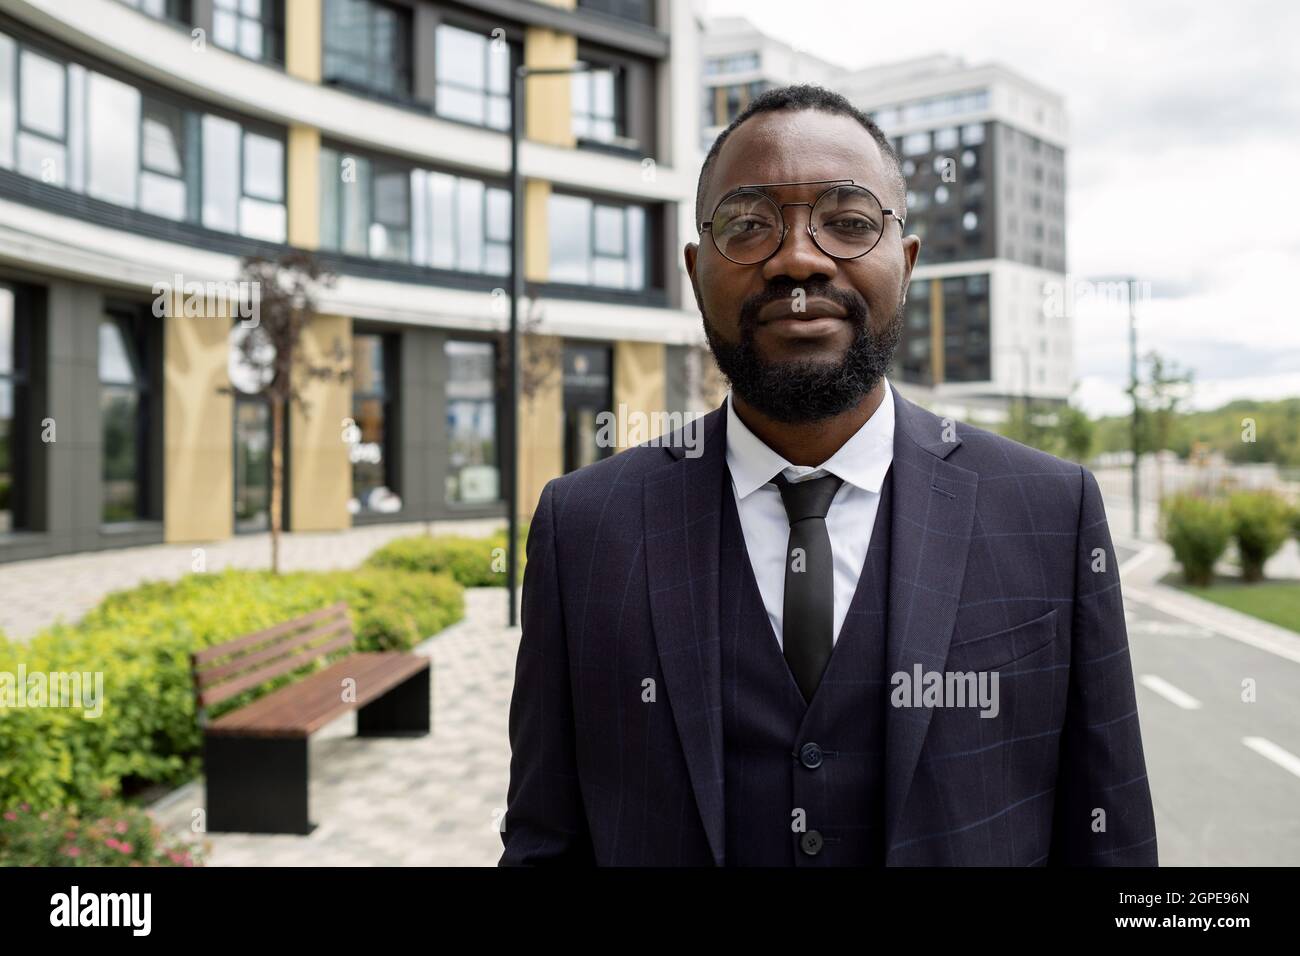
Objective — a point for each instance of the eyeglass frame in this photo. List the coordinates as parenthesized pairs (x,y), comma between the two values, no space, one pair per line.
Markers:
(785,226)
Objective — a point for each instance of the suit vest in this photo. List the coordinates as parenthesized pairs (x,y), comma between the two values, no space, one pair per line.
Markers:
(804,782)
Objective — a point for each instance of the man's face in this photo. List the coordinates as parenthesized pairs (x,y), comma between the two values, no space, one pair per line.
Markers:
(809,365)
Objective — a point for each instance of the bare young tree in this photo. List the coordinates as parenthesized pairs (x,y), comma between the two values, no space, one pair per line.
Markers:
(286,300)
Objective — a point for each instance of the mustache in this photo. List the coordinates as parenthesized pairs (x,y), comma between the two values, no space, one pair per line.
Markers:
(781,290)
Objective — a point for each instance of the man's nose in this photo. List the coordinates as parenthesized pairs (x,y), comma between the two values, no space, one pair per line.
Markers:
(798,256)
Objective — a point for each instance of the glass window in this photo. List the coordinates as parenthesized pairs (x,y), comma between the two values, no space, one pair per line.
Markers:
(121,390)
(178,10)
(588,391)
(112,116)
(221,149)
(251,28)
(597,243)
(252,464)
(91,133)
(12,381)
(598,106)
(163,188)
(473,475)
(459,223)
(972,134)
(945,138)
(371,446)
(473,77)
(916,143)
(367,45)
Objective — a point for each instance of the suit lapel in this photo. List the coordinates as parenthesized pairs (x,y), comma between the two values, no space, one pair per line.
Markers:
(682,512)
(933,514)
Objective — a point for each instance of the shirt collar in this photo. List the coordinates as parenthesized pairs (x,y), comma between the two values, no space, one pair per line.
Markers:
(862,461)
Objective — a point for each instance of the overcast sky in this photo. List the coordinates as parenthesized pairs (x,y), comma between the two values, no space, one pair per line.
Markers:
(1181,167)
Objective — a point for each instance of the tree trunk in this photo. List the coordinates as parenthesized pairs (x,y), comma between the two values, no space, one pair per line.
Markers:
(277,480)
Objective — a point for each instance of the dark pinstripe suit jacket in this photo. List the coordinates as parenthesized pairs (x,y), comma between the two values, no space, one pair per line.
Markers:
(1000,561)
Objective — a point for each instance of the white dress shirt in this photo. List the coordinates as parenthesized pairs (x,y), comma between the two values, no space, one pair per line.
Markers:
(861,462)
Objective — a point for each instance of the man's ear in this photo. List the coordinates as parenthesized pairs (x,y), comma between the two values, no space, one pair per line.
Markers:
(911,250)
(690,255)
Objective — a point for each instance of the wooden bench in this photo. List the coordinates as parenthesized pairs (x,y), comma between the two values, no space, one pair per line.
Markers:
(255,757)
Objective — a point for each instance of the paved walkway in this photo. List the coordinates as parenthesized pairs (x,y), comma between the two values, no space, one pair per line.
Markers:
(428,801)
(37,593)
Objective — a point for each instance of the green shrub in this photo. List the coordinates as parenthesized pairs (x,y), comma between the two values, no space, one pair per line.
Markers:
(1198,529)
(140,641)
(108,833)
(1261,522)
(473,562)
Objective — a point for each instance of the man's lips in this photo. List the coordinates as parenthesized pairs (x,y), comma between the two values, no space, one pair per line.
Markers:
(813,309)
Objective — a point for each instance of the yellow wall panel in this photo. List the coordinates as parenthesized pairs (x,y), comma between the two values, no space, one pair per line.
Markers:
(640,385)
(541,439)
(302,39)
(320,471)
(304,187)
(548,99)
(198,429)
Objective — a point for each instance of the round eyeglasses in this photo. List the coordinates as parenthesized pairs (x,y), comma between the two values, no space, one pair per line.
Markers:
(846,222)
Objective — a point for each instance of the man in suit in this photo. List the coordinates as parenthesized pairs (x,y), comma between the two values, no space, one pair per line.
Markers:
(849,632)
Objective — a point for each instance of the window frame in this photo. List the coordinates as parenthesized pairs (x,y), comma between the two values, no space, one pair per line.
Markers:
(648,212)
(390,344)
(497,410)
(405,72)
(272,22)
(515,59)
(18,378)
(131,324)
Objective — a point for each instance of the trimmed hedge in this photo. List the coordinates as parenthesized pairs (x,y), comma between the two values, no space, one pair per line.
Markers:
(140,640)
(473,562)
(1198,529)
(1261,523)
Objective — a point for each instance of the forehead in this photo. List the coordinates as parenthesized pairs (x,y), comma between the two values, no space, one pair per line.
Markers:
(798,146)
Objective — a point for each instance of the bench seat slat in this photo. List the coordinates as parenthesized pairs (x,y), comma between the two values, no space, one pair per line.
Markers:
(219,672)
(303,707)
(263,674)
(261,637)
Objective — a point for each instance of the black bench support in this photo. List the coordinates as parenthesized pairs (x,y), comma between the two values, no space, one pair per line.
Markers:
(256,784)
(405,711)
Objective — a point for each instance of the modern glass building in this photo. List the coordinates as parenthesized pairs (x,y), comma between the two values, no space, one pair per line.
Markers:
(983,149)
(153,144)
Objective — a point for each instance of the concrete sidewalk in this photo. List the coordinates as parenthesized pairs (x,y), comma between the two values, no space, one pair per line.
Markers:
(427,801)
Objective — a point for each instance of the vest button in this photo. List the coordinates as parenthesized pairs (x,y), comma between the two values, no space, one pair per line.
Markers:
(810,755)
(811,843)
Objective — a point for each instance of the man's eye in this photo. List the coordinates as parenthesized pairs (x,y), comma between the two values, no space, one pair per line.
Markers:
(853,224)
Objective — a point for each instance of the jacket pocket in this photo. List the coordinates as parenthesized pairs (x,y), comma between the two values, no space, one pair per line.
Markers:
(1000,648)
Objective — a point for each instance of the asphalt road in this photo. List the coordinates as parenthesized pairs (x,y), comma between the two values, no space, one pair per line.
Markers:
(1225,773)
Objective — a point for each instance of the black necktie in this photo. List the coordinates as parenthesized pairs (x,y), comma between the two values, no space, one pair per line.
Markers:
(808,615)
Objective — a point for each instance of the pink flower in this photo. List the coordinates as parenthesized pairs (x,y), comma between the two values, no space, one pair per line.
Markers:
(111,843)
(25,807)
(73,851)
(124,847)
(121,826)
(10,815)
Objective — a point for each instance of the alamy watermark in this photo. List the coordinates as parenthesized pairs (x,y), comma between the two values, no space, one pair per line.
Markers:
(624,428)
(946,689)
(236,299)
(57,689)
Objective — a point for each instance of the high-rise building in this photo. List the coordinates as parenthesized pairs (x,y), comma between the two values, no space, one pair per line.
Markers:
(148,146)
(983,150)
(740,61)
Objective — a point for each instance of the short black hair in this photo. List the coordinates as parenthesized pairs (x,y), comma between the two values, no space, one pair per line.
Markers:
(801,96)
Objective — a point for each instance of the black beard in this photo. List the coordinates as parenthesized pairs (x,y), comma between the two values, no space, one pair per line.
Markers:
(805,390)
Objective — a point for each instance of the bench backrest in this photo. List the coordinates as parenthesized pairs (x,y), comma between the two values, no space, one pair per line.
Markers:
(224,670)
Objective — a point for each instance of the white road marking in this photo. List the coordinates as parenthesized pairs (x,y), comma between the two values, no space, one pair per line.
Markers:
(1271,751)
(1169,692)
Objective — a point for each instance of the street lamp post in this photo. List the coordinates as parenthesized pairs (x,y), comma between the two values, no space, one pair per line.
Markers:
(511,437)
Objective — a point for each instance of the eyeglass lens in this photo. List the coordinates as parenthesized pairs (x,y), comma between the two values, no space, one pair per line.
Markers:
(847,222)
